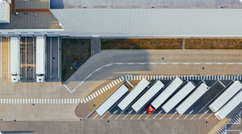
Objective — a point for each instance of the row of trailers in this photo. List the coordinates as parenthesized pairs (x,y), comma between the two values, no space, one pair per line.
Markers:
(170,98)
(40,58)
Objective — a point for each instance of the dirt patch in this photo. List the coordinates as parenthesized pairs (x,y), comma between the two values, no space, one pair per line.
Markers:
(213,43)
(74,49)
(141,44)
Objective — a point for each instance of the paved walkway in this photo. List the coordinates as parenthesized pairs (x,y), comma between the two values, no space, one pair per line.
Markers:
(95,46)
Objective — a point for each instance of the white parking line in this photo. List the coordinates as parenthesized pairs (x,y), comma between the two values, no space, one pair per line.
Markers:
(128,114)
(130,84)
(162,116)
(178,117)
(113,113)
(209,116)
(147,117)
(118,115)
(95,116)
(188,114)
(203,114)
(173,115)
(133,116)
(142,114)
(221,83)
(157,114)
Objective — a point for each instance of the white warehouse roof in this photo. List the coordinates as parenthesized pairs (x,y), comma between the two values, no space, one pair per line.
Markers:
(4,12)
(152,22)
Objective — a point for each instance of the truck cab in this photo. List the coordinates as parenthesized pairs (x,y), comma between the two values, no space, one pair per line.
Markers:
(40,78)
(15,78)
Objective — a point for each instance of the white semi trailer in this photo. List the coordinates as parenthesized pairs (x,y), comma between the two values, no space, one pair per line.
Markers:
(40,58)
(15,59)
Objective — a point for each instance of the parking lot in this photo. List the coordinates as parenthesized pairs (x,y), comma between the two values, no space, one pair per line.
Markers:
(197,111)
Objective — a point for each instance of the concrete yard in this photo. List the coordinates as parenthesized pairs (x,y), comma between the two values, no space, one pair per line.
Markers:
(51,101)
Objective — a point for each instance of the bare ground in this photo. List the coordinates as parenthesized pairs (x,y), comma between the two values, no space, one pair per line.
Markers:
(74,49)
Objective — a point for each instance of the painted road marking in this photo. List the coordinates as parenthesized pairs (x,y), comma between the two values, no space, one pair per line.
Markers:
(101,90)
(110,85)
(188,114)
(173,115)
(133,116)
(142,114)
(128,114)
(147,117)
(162,116)
(178,117)
(118,116)
(157,114)
(203,114)
(221,83)
(113,113)
(95,116)
(186,63)
(209,116)
(130,84)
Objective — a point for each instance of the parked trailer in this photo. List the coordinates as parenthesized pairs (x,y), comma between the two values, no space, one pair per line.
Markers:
(147,96)
(15,59)
(201,89)
(112,100)
(225,96)
(40,58)
(179,96)
(227,108)
(172,87)
(133,94)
